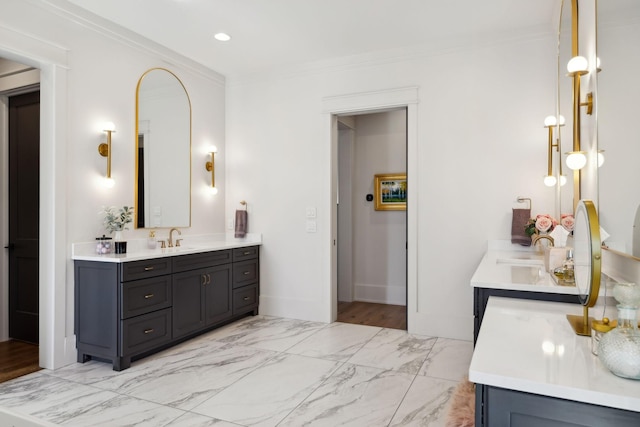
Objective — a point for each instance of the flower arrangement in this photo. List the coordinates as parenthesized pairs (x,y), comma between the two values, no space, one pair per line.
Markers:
(546,223)
(117,219)
(568,222)
(543,223)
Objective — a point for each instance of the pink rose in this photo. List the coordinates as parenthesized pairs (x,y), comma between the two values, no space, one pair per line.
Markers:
(567,221)
(544,223)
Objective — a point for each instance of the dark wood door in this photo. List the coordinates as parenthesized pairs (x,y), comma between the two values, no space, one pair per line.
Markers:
(24,195)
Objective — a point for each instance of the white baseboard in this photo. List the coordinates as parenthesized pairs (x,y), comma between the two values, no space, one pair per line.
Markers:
(292,308)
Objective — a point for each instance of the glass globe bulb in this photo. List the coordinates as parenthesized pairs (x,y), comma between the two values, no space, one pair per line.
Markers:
(577,64)
(550,121)
(563,180)
(550,180)
(600,158)
(109,182)
(213,190)
(576,160)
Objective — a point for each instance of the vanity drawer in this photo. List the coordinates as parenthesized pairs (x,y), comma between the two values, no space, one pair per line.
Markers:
(135,270)
(245,273)
(245,298)
(144,296)
(201,260)
(145,332)
(241,254)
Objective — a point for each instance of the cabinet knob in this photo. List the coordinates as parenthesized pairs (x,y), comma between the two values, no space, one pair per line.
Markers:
(148,331)
(148,296)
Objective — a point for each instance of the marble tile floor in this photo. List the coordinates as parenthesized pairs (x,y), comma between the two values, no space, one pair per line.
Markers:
(259,371)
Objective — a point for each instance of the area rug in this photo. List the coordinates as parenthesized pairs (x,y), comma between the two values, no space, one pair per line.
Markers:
(463,405)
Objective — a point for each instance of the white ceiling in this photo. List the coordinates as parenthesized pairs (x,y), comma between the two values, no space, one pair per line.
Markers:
(270,34)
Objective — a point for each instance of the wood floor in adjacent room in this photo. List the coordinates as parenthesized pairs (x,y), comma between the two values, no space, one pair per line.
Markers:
(17,358)
(366,313)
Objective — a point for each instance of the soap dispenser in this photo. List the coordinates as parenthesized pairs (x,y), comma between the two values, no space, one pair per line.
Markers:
(568,268)
(151,240)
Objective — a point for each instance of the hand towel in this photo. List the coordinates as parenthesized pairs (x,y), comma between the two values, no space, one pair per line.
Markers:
(241,223)
(518,224)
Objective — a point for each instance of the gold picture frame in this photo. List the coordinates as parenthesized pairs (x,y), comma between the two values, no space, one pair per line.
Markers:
(390,192)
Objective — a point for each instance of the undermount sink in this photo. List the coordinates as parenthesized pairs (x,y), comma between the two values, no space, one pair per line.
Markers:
(525,260)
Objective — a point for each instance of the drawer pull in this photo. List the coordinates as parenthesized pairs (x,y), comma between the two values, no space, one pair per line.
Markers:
(246,272)
(246,253)
(246,298)
(148,331)
(148,268)
(148,296)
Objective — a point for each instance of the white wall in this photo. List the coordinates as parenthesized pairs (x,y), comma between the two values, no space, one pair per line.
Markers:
(379,237)
(481,144)
(89,75)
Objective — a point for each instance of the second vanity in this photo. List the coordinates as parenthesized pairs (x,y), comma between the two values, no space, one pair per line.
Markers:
(131,305)
(510,271)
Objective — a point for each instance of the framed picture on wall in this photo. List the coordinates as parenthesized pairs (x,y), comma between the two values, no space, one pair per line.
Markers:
(390,192)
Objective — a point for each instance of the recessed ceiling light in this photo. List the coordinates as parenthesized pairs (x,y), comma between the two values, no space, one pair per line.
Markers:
(223,37)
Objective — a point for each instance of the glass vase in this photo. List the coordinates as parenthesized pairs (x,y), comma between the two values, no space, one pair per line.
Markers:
(619,349)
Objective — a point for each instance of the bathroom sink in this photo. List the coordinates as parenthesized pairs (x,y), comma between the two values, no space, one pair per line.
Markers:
(525,261)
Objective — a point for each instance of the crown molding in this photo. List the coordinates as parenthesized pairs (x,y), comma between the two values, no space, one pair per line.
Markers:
(106,28)
(407,54)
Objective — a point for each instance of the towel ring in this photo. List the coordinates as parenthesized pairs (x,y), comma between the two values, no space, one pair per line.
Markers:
(524,199)
(243,203)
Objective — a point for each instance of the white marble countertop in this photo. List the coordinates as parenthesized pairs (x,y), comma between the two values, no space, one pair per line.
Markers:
(529,346)
(137,248)
(517,271)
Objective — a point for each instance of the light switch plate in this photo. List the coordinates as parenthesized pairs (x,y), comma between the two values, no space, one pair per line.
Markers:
(311,212)
(311,227)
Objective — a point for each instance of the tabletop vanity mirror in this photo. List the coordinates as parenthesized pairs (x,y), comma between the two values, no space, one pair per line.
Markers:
(163,151)
(587,263)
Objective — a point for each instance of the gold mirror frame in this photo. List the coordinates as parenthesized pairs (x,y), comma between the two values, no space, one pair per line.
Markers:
(588,263)
(162,155)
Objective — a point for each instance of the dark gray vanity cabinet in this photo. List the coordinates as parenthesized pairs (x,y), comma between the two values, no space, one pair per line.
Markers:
(245,278)
(510,408)
(201,296)
(130,309)
(122,309)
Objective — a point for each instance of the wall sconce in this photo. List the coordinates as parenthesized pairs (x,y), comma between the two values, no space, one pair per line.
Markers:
(600,158)
(550,180)
(210,166)
(578,66)
(105,151)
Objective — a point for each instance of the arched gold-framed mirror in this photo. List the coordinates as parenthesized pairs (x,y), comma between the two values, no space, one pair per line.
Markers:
(587,255)
(163,151)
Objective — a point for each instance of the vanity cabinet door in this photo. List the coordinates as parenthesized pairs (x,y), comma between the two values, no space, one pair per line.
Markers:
(188,301)
(218,294)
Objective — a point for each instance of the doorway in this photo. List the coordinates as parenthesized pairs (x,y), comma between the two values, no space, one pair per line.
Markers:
(372,244)
(20,206)
(24,195)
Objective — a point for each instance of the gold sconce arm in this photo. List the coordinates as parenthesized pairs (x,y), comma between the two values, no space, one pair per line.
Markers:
(210,166)
(105,150)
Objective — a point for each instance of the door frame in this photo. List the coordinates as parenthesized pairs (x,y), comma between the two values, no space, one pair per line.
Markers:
(369,102)
(57,340)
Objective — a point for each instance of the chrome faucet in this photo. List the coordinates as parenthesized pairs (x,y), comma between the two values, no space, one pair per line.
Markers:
(171,236)
(538,237)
